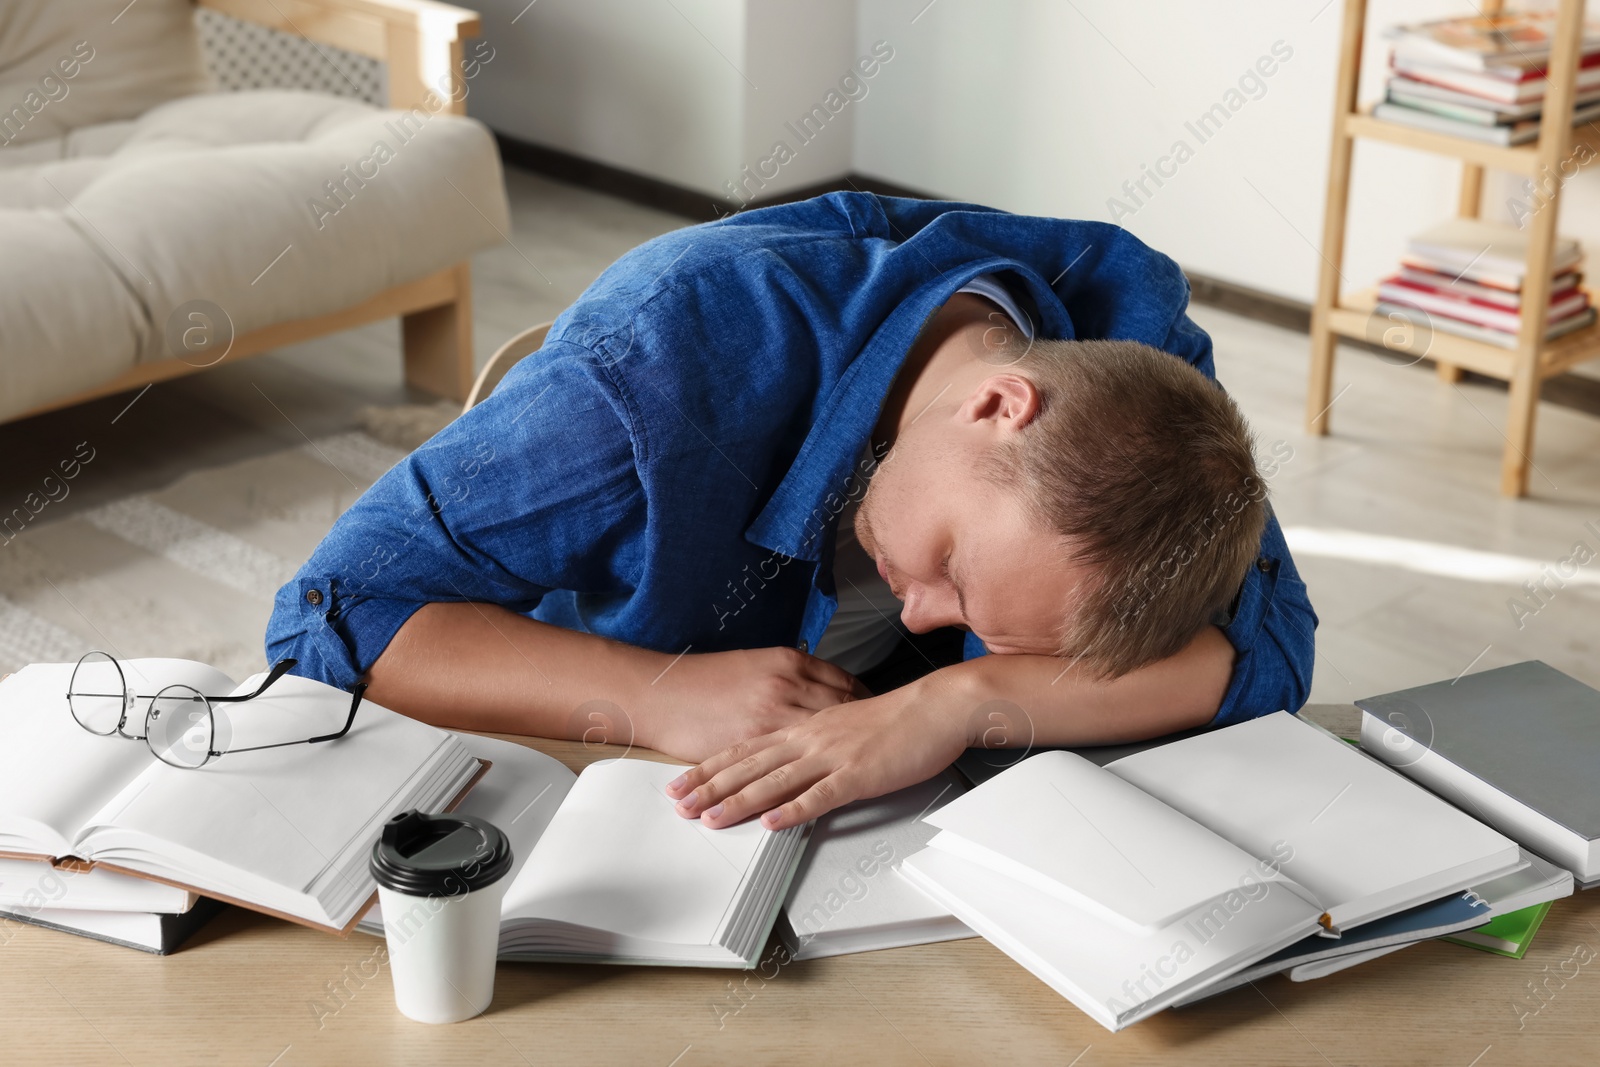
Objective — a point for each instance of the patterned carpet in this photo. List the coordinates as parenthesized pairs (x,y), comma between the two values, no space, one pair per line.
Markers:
(189,571)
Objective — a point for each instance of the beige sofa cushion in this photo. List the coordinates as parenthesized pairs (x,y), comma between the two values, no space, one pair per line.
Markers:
(274,205)
(71,63)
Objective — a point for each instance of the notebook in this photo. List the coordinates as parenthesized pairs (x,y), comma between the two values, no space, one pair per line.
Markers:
(1128,887)
(1516,746)
(605,870)
(284,831)
(848,895)
(159,934)
(1509,935)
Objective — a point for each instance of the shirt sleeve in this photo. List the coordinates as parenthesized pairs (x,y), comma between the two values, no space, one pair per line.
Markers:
(534,489)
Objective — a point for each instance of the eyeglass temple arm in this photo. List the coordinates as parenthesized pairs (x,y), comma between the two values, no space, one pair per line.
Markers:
(279,669)
(355,702)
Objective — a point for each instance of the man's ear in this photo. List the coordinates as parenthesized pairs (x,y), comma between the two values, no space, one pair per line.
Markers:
(1009,401)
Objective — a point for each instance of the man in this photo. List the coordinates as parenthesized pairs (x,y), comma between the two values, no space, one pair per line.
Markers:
(673,524)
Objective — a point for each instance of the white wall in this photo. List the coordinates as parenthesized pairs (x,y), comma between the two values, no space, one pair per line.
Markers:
(645,85)
(1037,106)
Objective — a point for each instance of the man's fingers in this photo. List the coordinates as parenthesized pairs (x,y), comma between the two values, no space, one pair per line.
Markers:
(836,678)
(823,796)
(742,791)
(698,775)
(814,696)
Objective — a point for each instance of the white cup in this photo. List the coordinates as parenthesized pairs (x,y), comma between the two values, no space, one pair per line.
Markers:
(440,882)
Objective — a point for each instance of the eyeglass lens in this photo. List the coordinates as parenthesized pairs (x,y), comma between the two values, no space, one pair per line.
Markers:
(180,727)
(98,694)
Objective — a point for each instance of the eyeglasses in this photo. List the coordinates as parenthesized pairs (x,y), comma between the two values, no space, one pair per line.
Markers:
(180,725)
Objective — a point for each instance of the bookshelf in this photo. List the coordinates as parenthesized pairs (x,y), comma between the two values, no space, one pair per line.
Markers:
(1337,314)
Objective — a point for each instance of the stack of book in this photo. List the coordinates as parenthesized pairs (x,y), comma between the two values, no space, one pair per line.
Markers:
(103,904)
(1467,276)
(1484,78)
(1161,877)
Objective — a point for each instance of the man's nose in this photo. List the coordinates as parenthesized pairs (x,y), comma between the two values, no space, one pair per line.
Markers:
(926,609)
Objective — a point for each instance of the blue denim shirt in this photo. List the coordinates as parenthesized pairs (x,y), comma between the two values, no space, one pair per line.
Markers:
(669,468)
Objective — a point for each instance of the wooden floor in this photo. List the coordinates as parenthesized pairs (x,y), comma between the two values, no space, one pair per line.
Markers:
(1413,560)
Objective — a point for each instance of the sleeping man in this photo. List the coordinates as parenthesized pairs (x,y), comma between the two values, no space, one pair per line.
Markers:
(819,495)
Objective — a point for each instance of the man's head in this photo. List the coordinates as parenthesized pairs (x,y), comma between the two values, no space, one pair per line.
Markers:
(1093,499)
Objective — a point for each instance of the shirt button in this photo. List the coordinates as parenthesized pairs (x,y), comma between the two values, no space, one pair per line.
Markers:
(1263,564)
(803,647)
(313,597)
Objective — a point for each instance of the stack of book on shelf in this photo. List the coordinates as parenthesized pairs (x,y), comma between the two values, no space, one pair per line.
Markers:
(1483,78)
(1466,276)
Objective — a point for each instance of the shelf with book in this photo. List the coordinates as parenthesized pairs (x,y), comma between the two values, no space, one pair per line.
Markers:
(1522,159)
(1532,358)
(1356,317)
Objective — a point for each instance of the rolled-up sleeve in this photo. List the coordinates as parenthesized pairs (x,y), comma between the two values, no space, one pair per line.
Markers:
(1273,633)
(534,489)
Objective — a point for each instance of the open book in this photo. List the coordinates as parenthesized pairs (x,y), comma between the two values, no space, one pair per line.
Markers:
(285,831)
(605,870)
(1129,887)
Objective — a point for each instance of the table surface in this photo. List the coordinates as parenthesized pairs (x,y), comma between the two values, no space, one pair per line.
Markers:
(248,989)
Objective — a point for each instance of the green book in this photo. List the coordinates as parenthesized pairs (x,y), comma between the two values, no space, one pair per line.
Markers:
(1506,935)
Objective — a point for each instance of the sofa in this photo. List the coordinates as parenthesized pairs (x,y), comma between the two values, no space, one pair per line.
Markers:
(152,226)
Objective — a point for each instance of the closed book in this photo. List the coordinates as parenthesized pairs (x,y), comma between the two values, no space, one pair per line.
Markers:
(1476,244)
(1414,92)
(1488,335)
(153,932)
(32,884)
(1509,935)
(1482,313)
(1494,294)
(1516,746)
(1514,133)
(1500,86)
(1514,40)
(1130,886)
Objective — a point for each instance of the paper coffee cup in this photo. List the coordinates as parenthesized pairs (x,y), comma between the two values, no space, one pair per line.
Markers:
(440,881)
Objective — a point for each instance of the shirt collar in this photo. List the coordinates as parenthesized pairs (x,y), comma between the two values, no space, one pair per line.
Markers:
(812,494)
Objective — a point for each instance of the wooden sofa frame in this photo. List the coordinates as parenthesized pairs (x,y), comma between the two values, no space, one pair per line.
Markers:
(421,43)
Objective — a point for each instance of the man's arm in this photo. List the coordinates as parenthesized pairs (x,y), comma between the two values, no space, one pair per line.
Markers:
(482,667)
(874,746)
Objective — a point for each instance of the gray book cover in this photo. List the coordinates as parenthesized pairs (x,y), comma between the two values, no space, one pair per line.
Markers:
(1527,730)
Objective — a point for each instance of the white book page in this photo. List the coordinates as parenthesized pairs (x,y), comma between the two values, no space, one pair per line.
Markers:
(57,774)
(1352,829)
(520,793)
(1077,832)
(846,882)
(618,857)
(282,814)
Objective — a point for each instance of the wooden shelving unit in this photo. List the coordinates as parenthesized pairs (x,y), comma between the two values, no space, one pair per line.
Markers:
(1337,314)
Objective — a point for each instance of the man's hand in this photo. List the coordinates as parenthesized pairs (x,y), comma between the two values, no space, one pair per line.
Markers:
(870,747)
(843,753)
(701,704)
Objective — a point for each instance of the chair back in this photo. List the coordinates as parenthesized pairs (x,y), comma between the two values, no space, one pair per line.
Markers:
(522,345)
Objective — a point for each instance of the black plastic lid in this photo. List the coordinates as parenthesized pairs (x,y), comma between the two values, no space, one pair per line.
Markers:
(439,855)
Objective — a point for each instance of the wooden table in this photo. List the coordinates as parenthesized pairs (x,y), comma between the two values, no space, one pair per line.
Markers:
(253,990)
